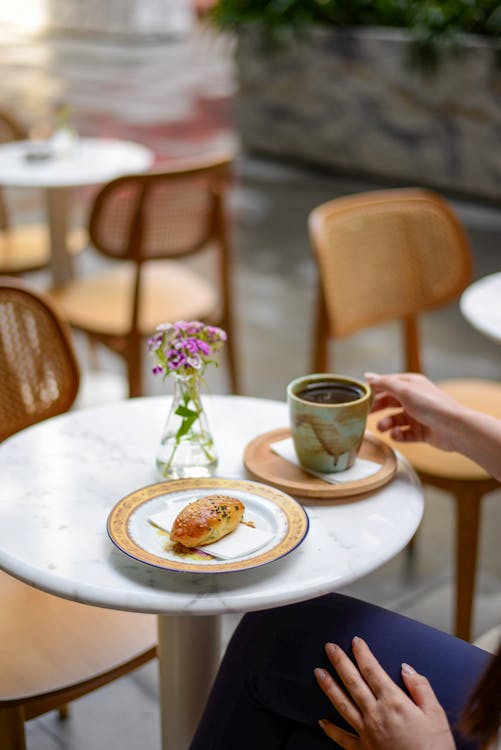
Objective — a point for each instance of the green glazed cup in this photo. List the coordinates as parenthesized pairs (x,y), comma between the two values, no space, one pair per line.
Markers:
(327,436)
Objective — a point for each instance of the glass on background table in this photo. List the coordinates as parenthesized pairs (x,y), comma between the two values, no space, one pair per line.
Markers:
(61,479)
(90,161)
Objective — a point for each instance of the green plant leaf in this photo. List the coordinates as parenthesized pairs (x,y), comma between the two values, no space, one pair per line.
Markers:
(183,411)
(185,427)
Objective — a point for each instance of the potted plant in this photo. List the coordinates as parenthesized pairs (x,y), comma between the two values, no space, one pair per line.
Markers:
(408,90)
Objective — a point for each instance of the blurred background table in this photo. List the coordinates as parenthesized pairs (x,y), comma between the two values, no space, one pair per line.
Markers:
(61,478)
(480,304)
(91,161)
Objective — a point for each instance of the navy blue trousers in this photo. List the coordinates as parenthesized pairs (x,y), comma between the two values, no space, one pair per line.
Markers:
(265,695)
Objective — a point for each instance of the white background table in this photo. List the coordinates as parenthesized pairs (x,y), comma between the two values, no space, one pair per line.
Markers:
(480,304)
(61,478)
(91,161)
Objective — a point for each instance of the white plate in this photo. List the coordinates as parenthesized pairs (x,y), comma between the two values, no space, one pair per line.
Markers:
(270,509)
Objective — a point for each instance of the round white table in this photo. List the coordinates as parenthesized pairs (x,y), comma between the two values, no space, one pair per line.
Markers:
(61,478)
(480,304)
(91,161)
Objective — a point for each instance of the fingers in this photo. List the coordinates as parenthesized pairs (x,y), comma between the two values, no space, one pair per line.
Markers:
(385,401)
(373,673)
(356,686)
(339,699)
(343,739)
(420,689)
(393,420)
(402,428)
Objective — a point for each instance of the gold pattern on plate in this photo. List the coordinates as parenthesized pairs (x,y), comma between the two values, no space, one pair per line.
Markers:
(120,515)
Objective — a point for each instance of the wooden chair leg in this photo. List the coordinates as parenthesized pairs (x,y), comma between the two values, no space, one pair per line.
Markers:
(320,358)
(92,348)
(232,366)
(63,711)
(12,728)
(134,363)
(468,499)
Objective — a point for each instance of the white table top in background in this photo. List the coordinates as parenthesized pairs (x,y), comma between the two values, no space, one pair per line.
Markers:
(91,162)
(60,479)
(480,304)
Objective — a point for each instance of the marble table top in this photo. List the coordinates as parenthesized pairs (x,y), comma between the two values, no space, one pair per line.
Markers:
(92,161)
(480,304)
(61,478)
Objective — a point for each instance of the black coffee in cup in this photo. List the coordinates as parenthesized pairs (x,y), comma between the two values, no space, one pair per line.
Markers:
(330,392)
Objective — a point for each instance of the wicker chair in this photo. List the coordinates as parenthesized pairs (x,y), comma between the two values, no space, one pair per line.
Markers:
(74,648)
(26,247)
(148,220)
(391,255)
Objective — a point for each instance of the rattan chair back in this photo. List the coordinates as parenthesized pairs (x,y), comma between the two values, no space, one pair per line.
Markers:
(387,255)
(160,214)
(40,375)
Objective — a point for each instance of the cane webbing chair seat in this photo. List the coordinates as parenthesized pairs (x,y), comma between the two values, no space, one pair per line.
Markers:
(149,224)
(26,247)
(101,305)
(390,256)
(51,650)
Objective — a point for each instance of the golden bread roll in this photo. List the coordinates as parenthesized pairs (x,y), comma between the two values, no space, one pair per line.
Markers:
(206,520)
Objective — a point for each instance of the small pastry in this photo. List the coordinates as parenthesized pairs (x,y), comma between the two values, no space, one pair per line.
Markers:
(207,520)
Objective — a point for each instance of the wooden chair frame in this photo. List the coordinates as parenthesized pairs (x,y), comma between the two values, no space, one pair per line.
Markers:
(108,644)
(217,170)
(467,491)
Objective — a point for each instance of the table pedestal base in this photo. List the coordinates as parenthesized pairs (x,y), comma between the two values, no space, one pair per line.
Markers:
(189,653)
(60,259)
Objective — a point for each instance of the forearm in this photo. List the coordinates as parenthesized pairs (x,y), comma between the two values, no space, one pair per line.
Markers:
(478,436)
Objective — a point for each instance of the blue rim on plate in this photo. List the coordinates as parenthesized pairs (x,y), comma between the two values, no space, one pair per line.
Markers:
(130,531)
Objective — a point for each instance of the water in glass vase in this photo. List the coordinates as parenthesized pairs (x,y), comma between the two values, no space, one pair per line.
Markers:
(193,457)
(186,447)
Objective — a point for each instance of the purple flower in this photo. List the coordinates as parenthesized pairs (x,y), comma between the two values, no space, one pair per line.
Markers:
(195,326)
(176,359)
(188,327)
(194,361)
(185,346)
(155,342)
(202,346)
(215,334)
(177,343)
(191,346)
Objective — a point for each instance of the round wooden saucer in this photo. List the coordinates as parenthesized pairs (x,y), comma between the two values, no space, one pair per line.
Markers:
(263,464)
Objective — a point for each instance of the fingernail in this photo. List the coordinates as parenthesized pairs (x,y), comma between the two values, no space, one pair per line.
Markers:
(320,673)
(330,648)
(356,640)
(370,375)
(322,723)
(407,669)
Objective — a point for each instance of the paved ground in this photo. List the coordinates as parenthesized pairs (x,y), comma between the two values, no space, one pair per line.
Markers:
(177,98)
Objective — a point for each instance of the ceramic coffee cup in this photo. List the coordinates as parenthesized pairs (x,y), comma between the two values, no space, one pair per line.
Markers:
(328,414)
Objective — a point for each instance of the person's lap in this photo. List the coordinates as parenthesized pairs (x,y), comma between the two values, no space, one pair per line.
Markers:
(265,694)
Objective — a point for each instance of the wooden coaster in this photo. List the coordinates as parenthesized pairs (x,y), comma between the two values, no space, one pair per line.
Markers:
(263,464)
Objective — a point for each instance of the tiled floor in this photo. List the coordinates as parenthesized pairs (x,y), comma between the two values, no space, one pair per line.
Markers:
(177,97)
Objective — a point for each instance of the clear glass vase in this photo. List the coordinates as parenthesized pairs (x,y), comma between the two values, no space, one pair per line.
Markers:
(186,447)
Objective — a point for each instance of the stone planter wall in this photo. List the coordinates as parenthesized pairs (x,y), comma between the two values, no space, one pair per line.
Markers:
(349,101)
(132,18)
